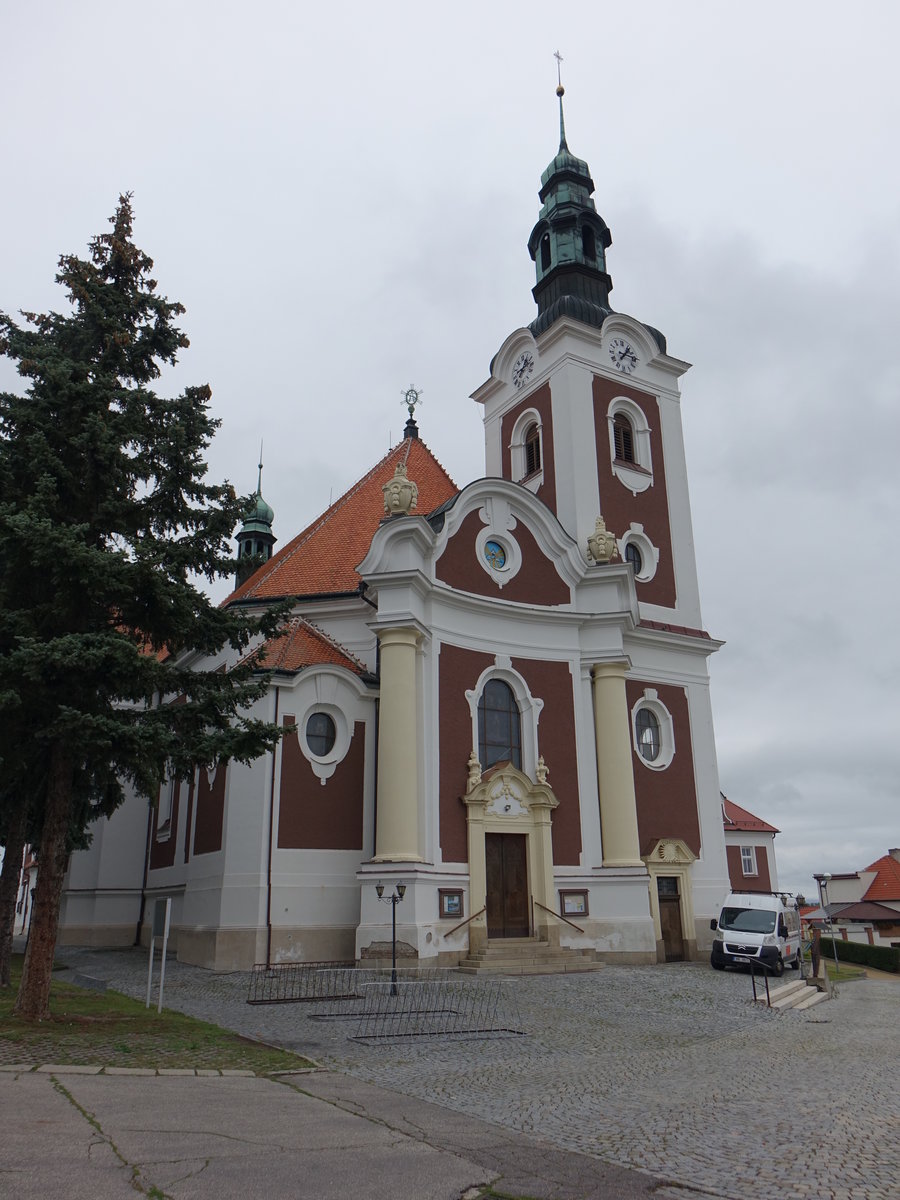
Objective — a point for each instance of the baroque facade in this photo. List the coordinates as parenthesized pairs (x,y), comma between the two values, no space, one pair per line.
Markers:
(497,695)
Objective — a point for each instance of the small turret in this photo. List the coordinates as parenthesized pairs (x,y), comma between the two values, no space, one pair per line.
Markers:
(255,537)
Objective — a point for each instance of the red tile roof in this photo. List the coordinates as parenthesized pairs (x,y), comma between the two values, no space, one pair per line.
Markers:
(322,560)
(862,911)
(735,817)
(886,884)
(300,644)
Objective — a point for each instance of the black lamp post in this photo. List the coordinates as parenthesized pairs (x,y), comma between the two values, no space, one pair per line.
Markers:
(393,901)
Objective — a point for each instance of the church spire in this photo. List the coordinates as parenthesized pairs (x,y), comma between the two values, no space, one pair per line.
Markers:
(255,538)
(569,242)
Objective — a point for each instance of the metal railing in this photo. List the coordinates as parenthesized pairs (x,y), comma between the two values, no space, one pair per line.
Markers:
(465,922)
(559,916)
(753,963)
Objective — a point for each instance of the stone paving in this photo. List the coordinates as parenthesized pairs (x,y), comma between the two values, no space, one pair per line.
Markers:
(671,1070)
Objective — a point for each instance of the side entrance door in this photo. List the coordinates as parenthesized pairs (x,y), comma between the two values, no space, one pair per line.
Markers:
(670,917)
(507,885)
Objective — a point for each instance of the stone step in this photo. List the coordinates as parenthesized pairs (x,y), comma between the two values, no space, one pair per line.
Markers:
(814,997)
(516,967)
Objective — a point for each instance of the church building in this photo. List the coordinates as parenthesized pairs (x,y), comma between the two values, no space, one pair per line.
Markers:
(494,696)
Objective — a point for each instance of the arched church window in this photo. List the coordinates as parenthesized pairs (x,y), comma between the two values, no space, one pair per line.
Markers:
(623,435)
(499,726)
(588,245)
(532,449)
(545,252)
(633,555)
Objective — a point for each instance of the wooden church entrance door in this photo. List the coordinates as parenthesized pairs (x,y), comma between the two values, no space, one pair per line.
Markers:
(507,885)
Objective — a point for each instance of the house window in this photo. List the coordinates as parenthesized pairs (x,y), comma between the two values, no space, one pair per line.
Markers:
(588,245)
(320,734)
(623,435)
(532,449)
(545,252)
(748,860)
(648,738)
(499,726)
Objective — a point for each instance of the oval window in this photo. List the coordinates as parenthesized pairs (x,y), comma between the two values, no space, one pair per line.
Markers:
(633,555)
(320,734)
(647,727)
(495,555)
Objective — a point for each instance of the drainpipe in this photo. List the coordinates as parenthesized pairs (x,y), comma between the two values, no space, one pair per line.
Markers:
(271,839)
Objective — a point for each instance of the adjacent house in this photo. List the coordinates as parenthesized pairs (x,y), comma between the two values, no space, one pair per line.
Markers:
(749,848)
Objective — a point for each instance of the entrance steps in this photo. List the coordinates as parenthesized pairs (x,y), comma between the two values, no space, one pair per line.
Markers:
(527,956)
(798,994)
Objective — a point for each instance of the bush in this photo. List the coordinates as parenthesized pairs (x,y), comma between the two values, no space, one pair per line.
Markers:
(883,958)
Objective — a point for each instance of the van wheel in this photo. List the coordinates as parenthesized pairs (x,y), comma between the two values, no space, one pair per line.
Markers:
(778,969)
(717,966)
(795,965)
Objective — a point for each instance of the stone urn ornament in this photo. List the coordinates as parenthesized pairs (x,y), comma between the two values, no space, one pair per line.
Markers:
(400,493)
(602,544)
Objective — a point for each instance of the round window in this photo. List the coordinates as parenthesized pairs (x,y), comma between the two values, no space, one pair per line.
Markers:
(320,734)
(633,555)
(495,554)
(648,739)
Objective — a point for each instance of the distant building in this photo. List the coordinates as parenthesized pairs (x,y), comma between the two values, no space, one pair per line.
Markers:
(749,849)
(864,906)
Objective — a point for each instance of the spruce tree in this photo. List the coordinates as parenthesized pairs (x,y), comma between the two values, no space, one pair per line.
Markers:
(106,521)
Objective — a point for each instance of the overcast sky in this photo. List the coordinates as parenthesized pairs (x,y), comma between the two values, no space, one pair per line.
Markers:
(341,196)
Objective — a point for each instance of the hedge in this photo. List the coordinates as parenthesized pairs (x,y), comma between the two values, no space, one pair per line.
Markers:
(883,958)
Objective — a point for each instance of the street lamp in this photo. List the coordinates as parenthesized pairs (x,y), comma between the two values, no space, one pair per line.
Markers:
(823,890)
(393,900)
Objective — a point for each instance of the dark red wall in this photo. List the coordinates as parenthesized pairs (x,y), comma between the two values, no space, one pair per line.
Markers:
(666,800)
(760,882)
(162,853)
(537,581)
(210,810)
(552,682)
(540,402)
(316,817)
(458,672)
(649,508)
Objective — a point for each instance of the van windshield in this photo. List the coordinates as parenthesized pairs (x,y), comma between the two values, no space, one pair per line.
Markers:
(748,920)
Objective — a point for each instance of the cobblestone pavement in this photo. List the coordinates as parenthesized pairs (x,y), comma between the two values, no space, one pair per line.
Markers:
(668,1069)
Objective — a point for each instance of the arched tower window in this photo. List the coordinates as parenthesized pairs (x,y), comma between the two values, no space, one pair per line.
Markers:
(499,726)
(588,245)
(545,252)
(532,449)
(623,435)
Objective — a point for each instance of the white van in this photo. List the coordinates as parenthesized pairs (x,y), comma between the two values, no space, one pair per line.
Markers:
(764,926)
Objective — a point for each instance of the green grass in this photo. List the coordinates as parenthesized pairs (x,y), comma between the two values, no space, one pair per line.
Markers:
(88,1028)
(844,972)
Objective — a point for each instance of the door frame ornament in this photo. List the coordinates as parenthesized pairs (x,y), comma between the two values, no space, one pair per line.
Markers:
(672,856)
(505,800)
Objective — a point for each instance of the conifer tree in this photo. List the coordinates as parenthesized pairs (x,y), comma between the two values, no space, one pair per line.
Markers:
(106,519)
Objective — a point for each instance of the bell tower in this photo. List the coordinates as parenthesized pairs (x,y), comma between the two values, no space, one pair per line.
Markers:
(583,406)
(569,242)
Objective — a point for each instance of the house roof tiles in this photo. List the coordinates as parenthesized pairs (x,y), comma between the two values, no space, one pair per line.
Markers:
(322,559)
(886,884)
(735,817)
(301,644)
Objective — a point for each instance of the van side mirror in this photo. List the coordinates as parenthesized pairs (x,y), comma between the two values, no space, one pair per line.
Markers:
(713,923)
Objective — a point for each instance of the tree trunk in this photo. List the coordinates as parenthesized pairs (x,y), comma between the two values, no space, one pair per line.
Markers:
(9,889)
(33,1000)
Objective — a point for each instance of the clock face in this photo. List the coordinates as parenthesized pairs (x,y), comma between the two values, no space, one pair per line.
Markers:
(522,368)
(622,355)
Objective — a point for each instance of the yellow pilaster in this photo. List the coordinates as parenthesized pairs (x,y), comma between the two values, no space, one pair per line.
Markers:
(615,778)
(397,824)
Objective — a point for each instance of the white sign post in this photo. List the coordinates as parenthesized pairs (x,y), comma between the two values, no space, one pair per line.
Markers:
(162,915)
